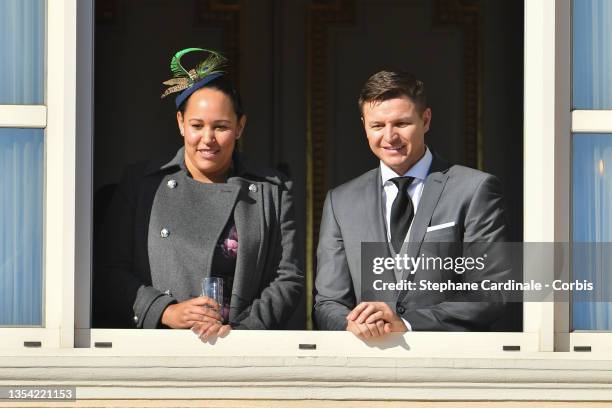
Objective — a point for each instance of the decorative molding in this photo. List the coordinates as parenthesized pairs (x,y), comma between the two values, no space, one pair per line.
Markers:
(467,14)
(322,14)
(537,376)
(226,14)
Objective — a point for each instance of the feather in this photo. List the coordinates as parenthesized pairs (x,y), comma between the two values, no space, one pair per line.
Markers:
(212,64)
(176,81)
(183,79)
(176,88)
(175,64)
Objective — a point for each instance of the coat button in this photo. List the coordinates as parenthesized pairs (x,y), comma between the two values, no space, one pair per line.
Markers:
(164,233)
(171,183)
(400,309)
(253,188)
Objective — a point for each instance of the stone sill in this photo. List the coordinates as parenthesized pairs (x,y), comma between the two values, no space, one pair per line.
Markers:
(98,374)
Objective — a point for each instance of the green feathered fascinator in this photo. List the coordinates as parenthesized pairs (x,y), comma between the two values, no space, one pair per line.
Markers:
(187,82)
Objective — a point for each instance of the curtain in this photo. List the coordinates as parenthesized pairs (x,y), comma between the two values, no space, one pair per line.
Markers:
(21,226)
(592,223)
(22,60)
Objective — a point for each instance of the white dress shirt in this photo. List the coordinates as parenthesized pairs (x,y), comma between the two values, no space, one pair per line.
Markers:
(415,191)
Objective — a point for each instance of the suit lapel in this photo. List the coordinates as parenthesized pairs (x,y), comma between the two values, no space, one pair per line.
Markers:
(432,190)
(375,224)
(249,219)
(373,208)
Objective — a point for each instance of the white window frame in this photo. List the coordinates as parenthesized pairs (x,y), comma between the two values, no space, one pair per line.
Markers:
(57,117)
(545,217)
(68,173)
(556,153)
(576,123)
(542,126)
(589,121)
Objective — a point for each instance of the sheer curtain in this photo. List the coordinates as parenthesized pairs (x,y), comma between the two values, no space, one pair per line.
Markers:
(592,223)
(592,162)
(21,226)
(22,70)
(22,41)
(592,54)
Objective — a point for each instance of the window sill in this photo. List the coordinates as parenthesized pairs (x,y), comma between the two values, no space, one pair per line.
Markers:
(446,374)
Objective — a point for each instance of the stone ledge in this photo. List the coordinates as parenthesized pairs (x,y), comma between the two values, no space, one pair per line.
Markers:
(115,377)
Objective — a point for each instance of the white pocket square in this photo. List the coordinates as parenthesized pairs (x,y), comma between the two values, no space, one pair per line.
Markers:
(441,226)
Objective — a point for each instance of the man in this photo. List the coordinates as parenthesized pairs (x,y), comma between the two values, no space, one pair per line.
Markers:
(412,197)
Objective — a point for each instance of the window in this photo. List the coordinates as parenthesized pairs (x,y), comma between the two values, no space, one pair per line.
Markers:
(111,131)
(591,228)
(22,37)
(65,271)
(37,116)
(66,238)
(591,154)
(21,217)
(591,54)
(22,40)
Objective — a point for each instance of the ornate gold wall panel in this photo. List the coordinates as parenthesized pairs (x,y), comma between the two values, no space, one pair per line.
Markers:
(467,14)
(321,15)
(226,14)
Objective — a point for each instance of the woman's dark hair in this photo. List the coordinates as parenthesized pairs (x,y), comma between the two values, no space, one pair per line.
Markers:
(224,85)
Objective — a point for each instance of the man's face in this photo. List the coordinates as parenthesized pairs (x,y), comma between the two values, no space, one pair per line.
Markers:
(396,132)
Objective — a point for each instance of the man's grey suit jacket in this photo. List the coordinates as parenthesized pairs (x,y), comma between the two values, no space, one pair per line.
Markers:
(353,214)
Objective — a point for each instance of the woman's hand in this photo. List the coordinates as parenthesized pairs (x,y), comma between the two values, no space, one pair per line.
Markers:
(210,330)
(186,314)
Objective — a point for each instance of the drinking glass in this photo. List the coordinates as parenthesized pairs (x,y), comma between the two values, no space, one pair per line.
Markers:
(212,287)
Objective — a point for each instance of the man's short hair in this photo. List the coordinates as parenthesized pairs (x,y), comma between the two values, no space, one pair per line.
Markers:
(385,85)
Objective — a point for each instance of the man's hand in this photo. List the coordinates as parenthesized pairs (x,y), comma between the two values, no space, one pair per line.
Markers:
(210,330)
(186,314)
(368,330)
(371,312)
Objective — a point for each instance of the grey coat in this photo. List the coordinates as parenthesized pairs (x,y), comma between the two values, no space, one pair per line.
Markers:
(160,238)
(353,214)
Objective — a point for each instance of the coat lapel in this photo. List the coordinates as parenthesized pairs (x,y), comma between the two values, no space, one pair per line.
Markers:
(249,219)
(193,216)
(228,196)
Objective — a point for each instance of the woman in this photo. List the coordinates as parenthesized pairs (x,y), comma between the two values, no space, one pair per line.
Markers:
(207,212)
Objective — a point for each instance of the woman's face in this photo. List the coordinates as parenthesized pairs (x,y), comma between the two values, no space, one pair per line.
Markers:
(210,128)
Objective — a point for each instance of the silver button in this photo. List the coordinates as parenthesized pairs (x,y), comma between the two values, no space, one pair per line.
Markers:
(164,233)
(167,292)
(136,319)
(252,188)
(171,183)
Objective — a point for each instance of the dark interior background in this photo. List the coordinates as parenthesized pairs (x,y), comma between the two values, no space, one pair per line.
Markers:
(299,65)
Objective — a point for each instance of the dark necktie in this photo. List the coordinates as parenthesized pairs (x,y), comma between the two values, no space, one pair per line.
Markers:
(401,212)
